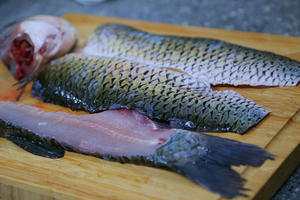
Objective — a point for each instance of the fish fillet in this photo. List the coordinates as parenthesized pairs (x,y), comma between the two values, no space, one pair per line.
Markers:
(100,83)
(127,136)
(217,61)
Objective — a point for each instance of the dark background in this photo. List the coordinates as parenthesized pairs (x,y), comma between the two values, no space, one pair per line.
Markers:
(266,16)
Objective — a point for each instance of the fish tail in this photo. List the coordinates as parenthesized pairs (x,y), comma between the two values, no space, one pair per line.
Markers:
(207,160)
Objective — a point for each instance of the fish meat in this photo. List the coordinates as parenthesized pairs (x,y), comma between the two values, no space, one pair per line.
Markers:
(101,83)
(27,45)
(215,61)
(127,136)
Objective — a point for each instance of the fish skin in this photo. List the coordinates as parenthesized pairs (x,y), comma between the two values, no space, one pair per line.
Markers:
(219,61)
(202,158)
(99,83)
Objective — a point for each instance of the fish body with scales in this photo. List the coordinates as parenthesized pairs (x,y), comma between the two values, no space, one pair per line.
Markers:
(127,136)
(101,83)
(215,61)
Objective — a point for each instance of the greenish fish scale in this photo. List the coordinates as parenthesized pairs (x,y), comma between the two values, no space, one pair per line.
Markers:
(99,83)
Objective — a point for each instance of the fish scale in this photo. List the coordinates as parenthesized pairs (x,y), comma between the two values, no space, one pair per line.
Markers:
(101,83)
(201,57)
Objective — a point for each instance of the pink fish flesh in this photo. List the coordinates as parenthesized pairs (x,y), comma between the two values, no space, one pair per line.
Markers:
(127,136)
(27,45)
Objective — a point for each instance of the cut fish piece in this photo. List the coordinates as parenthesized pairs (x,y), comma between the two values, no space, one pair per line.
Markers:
(101,83)
(26,46)
(218,61)
(127,136)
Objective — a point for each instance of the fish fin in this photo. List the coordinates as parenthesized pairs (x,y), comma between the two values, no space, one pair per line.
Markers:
(42,148)
(28,78)
(207,160)
(228,152)
(22,86)
(220,179)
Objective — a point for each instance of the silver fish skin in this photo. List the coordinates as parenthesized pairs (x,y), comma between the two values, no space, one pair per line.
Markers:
(217,62)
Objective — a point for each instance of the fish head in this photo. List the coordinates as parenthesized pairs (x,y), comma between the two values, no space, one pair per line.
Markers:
(31,43)
(20,56)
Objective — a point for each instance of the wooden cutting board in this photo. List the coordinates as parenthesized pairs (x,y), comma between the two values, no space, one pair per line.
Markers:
(76,176)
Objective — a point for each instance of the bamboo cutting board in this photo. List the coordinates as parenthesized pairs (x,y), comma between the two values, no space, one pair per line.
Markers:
(76,176)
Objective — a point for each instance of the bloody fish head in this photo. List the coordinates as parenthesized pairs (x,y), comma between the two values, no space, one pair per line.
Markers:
(19,57)
(27,45)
